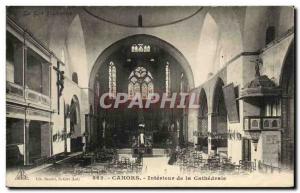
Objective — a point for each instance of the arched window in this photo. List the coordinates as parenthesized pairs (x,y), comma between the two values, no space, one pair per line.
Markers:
(75,77)
(74,115)
(140,81)
(168,83)
(140,21)
(270,34)
(112,80)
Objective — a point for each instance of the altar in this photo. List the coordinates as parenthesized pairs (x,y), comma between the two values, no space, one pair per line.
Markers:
(142,143)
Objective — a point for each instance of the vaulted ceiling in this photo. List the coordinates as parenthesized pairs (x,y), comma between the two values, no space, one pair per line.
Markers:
(151,16)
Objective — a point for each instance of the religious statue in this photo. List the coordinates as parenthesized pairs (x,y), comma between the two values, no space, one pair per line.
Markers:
(258,62)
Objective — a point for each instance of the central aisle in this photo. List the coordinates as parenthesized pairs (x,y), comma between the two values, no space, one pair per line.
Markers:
(156,165)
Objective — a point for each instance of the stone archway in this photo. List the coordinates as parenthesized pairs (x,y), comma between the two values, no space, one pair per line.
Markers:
(287,83)
(219,118)
(75,125)
(203,122)
(155,41)
(99,75)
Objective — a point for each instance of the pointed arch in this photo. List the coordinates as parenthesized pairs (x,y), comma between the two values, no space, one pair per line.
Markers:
(219,117)
(74,113)
(75,124)
(203,121)
(287,83)
(218,103)
(288,66)
(203,110)
(130,40)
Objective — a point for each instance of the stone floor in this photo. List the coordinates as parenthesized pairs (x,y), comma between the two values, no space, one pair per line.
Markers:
(157,165)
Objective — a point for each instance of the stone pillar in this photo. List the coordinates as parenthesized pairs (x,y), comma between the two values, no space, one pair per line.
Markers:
(284,125)
(24,66)
(209,130)
(287,142)
(26,142)
(185,127)
(87,130)
(67,139)
(51,138)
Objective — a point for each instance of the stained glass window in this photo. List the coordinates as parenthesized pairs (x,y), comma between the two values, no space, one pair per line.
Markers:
(150,88)
(144,90)
(130,89)
(112,83)
(140,81)
(140,48)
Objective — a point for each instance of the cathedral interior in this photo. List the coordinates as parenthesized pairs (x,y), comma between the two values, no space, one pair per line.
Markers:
(238,61)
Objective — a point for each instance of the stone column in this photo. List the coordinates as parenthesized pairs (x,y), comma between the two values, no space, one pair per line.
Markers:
(66,132)
(209,130)
(26,142)
(51,138)
(185,127)
(24,67)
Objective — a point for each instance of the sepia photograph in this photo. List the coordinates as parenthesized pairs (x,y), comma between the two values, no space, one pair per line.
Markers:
(150,96)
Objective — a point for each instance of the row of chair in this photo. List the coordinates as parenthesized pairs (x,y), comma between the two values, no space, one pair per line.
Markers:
(193,161)
(124,165)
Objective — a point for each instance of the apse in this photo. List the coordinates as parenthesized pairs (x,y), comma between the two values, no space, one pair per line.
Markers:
(139,67)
